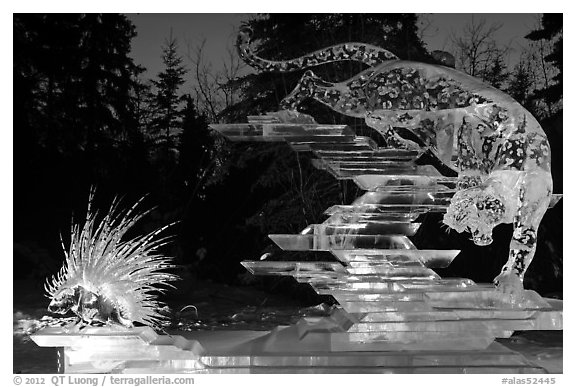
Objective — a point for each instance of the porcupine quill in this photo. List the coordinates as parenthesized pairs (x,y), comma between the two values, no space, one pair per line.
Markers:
(107,278)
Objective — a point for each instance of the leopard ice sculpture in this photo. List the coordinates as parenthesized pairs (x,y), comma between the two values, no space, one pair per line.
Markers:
(499,150)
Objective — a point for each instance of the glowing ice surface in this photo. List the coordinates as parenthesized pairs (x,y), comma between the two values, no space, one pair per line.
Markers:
(322,242)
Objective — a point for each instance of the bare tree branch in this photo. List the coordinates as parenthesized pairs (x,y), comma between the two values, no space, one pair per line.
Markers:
(476,49)
(426,27)
(212,91)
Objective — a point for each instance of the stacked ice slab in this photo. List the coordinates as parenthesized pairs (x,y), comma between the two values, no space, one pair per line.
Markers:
(390,298)
(119,350)
(141,350)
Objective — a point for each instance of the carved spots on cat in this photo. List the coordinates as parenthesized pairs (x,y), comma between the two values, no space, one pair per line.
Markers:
(406,89)
(489,151)
(497,115)
(526,236)
(357,52)
(361,52)
(538,151)
(512,154)
(492,208)
(467,181)
(467,158)
(520,258)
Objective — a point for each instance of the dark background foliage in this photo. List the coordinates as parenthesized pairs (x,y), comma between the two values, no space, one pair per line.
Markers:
(84,116)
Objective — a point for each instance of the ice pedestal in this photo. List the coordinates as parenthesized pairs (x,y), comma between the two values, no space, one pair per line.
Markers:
(117,350)
(337,343)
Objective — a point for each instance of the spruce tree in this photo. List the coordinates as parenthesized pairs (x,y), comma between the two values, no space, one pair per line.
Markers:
(75,79)
(74,117)
(497,75)
(167,100)
(74,114)
(551,30)
(520,83)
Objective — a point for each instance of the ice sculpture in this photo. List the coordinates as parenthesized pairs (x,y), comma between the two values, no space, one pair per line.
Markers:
(499,150)
(107,278)
(394,314)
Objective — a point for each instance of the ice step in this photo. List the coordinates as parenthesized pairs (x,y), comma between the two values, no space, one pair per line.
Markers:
(495,354)
(412,328)
(446,314)
(395,275)
(481,300)
(394,272)
(420,340)
(270,132)
(492,326)
(386,287)
(421,197)
(310,242)
(295,268)
(346,173)
(382,283)
(357,143)
(292,267)
(376,164)
(401,341)
(550,318)
(364,228)
(379,153)
(388,216)
(429,258)
(361,209)
(375,182)
(486,299)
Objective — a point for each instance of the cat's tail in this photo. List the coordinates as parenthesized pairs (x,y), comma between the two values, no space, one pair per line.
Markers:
(359,52)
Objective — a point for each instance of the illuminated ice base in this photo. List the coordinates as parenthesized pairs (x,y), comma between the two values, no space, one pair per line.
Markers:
(441,341)
(119,350)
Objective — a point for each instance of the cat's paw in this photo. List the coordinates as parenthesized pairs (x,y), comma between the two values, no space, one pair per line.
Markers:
(510,285)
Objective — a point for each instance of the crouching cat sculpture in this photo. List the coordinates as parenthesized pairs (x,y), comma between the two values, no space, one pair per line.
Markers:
(499,150)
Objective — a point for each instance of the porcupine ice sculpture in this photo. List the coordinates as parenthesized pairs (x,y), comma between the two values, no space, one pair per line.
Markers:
(108,279)
(501,153)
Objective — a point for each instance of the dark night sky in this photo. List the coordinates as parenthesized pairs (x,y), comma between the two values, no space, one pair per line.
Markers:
(219,32)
